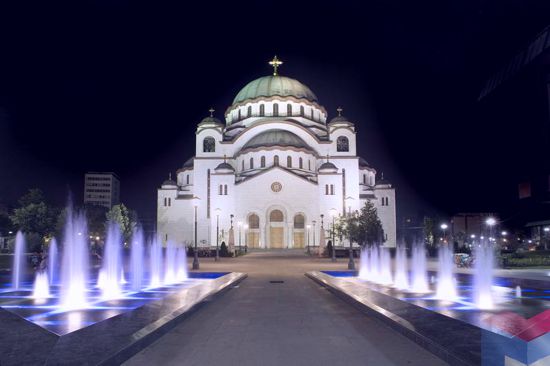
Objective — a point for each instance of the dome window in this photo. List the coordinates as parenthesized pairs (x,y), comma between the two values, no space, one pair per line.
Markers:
(289,162)
(342,144)
(262,110)
(251,163)
(301,163)
(276,160)
(262,162)
(249,111)
(289,109)
(275,110)
(208,144)
(302,111)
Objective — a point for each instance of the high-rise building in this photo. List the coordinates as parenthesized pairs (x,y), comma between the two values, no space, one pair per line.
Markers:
(102,189)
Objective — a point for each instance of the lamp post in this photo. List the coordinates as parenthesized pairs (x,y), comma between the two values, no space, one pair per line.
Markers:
(196,201)
(546,230)
(308,227)
(245,238)
(333,214)
(444,228)
(217,234)
(240,224)
(351,262)
(314,222)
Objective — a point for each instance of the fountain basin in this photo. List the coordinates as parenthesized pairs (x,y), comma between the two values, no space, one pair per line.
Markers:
(108,332)
(457,332)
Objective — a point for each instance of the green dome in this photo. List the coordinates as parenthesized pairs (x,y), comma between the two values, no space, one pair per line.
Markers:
(275,85)
(276,138)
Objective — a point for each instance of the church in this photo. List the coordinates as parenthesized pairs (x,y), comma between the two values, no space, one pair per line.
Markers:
(276,172)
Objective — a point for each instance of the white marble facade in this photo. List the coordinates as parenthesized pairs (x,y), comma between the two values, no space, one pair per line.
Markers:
(277,167)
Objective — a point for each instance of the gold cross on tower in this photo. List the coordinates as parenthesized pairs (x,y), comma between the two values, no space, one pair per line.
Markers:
(339,110)
(211,110)
(275,63)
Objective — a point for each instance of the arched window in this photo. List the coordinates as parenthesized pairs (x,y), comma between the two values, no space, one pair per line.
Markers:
(169,202)
(187,179)
(239,118)
(262,110)
(275,109)
(289,162)
(249,111)
(364,179)
(301,163)
(312,116)
(208,144)
(251,163)
(276,160)
(299,221)
(220,191)
(308,164)
(342,144)
(326,189)
(225,189)
(289,109)
(276,216)
(253,221)
(302,111)
(332,189)
(165,202)
(262,162)
(242,165)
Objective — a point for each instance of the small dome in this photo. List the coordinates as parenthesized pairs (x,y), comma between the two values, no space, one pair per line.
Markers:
(276,138)
(169,182)
(275,85)
(188,163)
(363,163)
(339,119)
(225,166)
(328,167)
(210,120)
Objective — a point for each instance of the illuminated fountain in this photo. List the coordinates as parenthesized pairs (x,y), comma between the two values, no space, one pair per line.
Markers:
(155,263)
(41,288)
(364,264)
(52,261)
(419,270)
(401,278)
(374,263)
(75,264)
(170,263)
(112,264)
(181,272)
(483,276)
(136,260)
(446,285)
(385,277)
(18,261)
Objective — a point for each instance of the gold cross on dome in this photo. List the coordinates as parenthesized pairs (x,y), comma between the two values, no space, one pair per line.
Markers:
(339,110)
(211,110)
(275,63)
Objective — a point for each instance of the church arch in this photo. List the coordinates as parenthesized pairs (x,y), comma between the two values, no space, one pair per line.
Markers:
(253,234)
(276,216)
(209,144)
(276,228)
(299,230)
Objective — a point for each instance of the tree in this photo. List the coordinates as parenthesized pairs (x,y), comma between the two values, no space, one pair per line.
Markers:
(125,218)
(34,215)
(96,216)
(364,226)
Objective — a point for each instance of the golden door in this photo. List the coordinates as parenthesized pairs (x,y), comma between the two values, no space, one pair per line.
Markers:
(276,237)
(299,241)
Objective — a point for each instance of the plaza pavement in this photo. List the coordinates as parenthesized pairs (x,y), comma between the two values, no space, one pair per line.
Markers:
(296,322)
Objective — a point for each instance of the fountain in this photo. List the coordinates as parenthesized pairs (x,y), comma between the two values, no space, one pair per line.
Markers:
(112,264)
(18,261)
(446,284)
(385,267)
(401,278)
(364,264)
(374,264)
(52,261)
(155,263)
(419,271)
(170,263)
(483,276)
(74,271)
(41,289)
(136,260)
(181,274)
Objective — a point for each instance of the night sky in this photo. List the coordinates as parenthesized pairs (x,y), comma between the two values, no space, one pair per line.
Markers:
(120,86)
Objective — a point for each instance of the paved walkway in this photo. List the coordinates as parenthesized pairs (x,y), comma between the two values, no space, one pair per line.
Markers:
(292,323)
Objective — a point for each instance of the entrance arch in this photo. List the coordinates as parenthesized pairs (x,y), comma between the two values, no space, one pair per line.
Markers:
(253,234)
(299,232)
(276,229)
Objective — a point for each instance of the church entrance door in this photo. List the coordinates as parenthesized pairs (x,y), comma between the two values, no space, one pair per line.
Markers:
(276,229)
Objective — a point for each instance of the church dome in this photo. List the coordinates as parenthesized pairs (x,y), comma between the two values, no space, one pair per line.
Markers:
(225,167)
(276,138)
(275,85)
(328,167)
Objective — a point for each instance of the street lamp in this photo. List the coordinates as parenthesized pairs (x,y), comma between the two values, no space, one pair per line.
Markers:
(245,238)
(240,224)
(444,228)
(546,230)
(308,227)
(333,214)
(491,222)
(196,201)
(314,222)
(218,211)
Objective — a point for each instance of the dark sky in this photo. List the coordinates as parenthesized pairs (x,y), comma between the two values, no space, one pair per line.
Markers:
(120,86)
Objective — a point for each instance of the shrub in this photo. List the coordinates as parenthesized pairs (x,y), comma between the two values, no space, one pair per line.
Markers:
(224,251)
